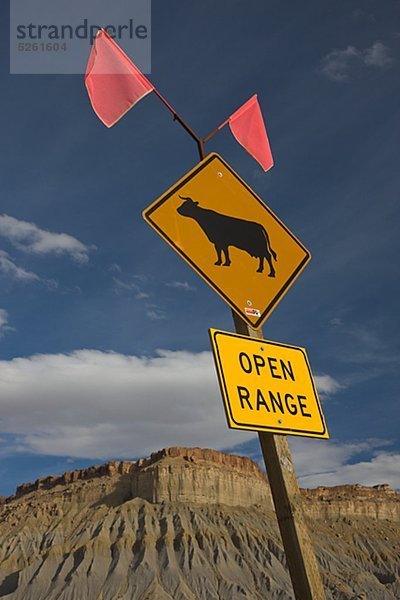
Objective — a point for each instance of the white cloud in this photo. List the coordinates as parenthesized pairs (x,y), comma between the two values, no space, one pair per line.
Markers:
(3,317)
(377,56)
(4,326)
(115,268)
(155,314)
(30,238)
(338,64)
(327,385)
(336,322)
(98,404)
(362,14)
(180,285)
(8,267)
(123,285)
(130,286)
(324,462)
(363,347)
(103,404)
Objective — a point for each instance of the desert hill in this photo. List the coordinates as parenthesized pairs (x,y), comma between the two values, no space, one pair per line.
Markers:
(188,524)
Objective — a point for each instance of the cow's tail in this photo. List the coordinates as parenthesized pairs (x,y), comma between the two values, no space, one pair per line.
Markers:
(269,248)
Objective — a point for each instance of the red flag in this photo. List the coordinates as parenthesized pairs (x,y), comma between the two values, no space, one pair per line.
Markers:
(247,125)
(113,82)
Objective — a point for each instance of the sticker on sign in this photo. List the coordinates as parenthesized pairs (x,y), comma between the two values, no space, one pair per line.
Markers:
(267,386)
(253,312)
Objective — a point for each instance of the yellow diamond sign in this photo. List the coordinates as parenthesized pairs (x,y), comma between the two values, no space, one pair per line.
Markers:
(226,233)
(267,386)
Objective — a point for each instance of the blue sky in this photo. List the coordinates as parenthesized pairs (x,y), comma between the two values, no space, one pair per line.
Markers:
(104,330)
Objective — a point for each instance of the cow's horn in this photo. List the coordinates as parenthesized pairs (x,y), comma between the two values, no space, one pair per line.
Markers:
(184,198)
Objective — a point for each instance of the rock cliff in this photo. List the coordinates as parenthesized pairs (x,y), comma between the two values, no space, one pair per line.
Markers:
(378,502)
(187,524)
(176,475)
(198,476)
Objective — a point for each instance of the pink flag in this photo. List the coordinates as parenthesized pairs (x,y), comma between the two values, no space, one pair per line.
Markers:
(247,125)
(113,82)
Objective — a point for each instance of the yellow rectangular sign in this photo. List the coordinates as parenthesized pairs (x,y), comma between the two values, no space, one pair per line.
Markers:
(267,386)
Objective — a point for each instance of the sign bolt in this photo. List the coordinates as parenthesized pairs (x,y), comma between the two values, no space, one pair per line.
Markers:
(219,174)
(249,303)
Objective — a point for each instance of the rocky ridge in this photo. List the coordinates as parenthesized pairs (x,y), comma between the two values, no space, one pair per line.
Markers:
(196,475)
(174,475)
(188,524)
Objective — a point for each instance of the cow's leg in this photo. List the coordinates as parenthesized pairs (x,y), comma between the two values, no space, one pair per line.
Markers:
(227,259)
(271,266)
(261,265)
(219,255)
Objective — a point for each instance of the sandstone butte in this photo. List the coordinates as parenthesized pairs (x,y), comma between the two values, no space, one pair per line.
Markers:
(188,524)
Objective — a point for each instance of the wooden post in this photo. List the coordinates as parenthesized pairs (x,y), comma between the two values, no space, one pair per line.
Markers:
(300,555)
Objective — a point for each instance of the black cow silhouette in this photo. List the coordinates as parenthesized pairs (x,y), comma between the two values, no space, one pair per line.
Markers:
(224,231)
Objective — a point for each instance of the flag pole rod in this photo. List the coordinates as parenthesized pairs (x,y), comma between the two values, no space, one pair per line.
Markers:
(181,121)
(177,117)
(211,135)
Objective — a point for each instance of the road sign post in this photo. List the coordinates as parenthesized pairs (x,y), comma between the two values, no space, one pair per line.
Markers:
(299,551)
(281,258)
